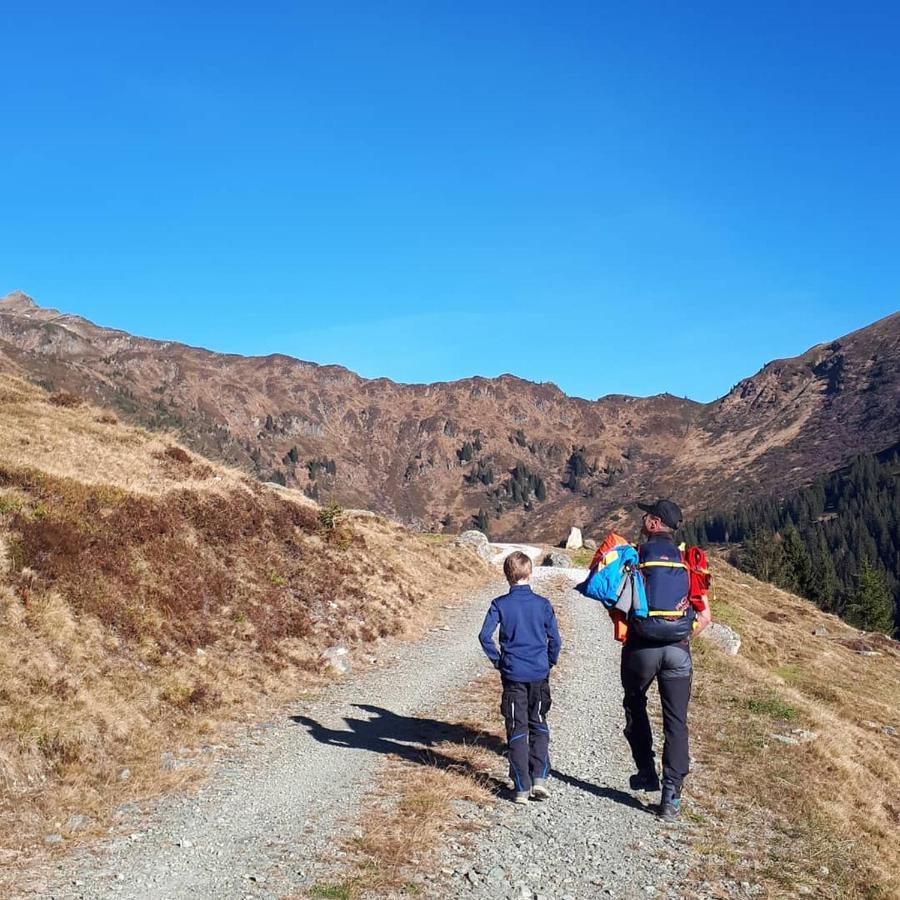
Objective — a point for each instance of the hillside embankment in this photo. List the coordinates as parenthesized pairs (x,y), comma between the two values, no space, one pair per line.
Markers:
(797,748)
(148,598)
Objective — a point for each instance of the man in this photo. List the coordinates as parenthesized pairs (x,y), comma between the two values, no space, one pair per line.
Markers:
(657,647)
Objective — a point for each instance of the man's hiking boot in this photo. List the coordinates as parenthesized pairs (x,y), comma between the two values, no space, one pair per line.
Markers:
(644,780)
(669,805)
(539,789)
(521,797)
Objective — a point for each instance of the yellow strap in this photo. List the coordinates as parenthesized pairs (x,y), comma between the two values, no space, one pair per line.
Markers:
(666,565)
(667,613)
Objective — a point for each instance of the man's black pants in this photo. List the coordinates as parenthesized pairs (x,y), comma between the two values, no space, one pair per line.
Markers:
(524,705)
(671,666)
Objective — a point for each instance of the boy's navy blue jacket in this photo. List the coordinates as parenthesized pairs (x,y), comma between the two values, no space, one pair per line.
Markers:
(529,638)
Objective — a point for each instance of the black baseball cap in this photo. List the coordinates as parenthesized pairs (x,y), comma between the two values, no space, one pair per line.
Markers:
(666,511)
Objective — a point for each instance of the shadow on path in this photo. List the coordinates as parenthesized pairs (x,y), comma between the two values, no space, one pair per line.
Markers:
(411,738)
(605,793)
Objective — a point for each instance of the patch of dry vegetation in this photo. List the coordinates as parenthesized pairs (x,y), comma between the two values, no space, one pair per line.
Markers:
(821,815)
(417,803)
(58,434)
(148,597)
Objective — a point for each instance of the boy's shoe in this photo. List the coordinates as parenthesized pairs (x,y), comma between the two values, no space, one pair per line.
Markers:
(669,805)
(521,797)
(644,780)
(539,789)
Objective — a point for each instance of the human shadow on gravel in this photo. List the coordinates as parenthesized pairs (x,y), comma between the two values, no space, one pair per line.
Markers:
(411,738)
(606,793)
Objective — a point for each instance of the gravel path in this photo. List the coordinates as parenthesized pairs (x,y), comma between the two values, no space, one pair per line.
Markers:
(265,816)
(593,838)
(262,819)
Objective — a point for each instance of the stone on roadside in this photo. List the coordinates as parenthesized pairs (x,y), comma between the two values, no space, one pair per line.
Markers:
(726,638)
(477,540)
(558,559)
(337,659)
(52,840)
(574,541)
(590,544)
(821,631)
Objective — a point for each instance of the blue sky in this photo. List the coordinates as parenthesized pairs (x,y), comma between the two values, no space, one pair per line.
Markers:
(630,197)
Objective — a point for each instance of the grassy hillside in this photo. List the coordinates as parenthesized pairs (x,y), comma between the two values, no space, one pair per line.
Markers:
(796,778)
(148,596)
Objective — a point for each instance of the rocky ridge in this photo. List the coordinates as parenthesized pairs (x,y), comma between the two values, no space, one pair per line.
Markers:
(527,457)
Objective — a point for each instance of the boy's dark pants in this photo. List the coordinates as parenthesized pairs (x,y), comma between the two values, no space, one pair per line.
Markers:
(524,706)
(671,665)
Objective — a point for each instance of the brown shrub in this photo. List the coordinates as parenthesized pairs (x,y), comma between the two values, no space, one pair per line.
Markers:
(65,400)
(177,454)
(163,568)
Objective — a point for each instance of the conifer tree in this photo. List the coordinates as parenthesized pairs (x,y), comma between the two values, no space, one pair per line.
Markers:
(797,573)
(763,556)
(482,523)
(871,605)
(824,586)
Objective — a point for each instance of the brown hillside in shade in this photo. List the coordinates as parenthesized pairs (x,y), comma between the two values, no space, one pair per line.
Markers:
(433,455)
(147,596)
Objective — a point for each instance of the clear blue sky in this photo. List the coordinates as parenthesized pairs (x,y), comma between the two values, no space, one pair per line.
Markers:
(629,197)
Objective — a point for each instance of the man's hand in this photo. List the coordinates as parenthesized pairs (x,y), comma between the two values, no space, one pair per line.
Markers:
(704,615)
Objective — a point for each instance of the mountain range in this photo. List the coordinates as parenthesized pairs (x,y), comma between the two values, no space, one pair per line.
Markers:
(522,458)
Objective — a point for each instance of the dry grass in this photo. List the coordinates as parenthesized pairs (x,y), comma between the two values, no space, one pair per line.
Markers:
(148,598)
(823,814)
(59,435)
(420,800)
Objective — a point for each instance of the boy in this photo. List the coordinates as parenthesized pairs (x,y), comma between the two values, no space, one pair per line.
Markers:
(529,648)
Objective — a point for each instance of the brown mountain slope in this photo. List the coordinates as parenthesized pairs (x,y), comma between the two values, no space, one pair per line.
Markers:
(148,598)
(433,455)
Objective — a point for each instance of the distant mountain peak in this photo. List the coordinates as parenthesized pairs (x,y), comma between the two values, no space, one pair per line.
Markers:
(17,301)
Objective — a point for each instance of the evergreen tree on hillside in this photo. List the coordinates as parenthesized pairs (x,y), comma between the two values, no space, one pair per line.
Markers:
(796,575)
(841,519)
(824,586)
(482,523)
(763,556)
(871,606)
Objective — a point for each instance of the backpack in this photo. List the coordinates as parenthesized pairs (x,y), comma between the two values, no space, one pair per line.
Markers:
(673,577)
(613,577)
(650,589)
(698,571)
